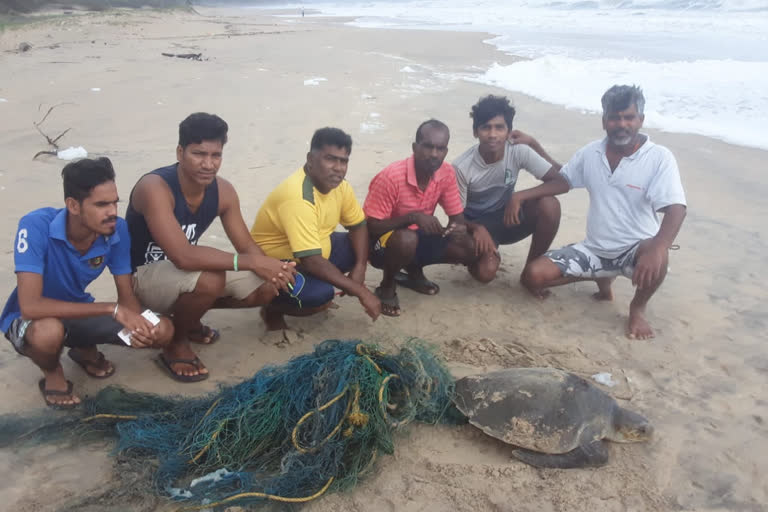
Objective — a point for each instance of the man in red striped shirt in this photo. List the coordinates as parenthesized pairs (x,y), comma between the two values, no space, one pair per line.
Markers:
(405,234)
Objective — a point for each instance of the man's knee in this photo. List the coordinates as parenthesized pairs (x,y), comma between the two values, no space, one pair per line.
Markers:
(45,337)
(211,283)
(403,242)
(540,272)
(164,333)
(485,269)
(548,207)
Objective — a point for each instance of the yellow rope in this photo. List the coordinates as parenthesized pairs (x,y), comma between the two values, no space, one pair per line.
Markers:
(295,433)
(210,442)
(362,350)
(108,416)
(259,495)
(383,406)
(213,437)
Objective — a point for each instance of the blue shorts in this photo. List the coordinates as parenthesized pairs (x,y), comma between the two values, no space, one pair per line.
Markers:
(314,292)
(502,234)
(429,251)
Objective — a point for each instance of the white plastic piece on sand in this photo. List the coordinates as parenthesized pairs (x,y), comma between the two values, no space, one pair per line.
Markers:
(96,89)
(315,81)
(3,100)
(72,153)
(604,378)
(407,69)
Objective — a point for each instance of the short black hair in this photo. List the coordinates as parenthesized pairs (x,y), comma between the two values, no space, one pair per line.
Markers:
(82,176)
(200,126)
(621,97)
(330,137)
(434,123)
(489,107)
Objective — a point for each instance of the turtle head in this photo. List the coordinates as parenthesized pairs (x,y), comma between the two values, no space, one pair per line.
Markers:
(630,427)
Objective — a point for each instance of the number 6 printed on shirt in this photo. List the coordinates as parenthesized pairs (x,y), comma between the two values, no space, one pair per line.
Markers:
(22,245)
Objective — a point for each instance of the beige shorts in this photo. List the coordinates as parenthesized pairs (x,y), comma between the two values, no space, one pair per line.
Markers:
(159,284)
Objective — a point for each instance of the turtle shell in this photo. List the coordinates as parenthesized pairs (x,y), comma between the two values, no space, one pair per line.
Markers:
(542,409)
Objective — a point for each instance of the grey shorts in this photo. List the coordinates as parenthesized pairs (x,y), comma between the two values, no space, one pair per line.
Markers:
(159,284)
(79,332)
(576,260)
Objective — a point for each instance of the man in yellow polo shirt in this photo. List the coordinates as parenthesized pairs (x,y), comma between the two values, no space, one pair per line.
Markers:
(297,222)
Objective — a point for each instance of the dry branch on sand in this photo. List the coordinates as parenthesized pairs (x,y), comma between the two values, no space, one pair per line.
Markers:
(52,142)
(191,56)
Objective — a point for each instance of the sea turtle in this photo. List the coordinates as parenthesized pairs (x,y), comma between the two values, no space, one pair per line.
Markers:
(555,418)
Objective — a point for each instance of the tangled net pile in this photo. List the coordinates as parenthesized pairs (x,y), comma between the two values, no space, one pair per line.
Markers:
(290,433)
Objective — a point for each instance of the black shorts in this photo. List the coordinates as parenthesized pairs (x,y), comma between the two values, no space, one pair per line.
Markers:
(502,234)
(79,332)
(429,251)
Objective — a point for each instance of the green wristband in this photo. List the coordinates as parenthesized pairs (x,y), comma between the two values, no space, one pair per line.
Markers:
(234,264)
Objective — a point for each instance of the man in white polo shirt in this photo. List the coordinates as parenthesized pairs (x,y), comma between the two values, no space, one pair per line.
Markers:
(629,179)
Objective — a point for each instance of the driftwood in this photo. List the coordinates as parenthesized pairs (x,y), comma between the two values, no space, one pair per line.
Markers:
(191,56)
(52,142)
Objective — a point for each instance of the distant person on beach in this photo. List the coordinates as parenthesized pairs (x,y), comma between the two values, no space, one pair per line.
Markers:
(487,174)
(405,234)
(57,254)
(170,208)
(298,221)
(629,179)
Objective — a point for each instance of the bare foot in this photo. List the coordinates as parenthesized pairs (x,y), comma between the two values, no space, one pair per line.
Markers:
(605,292)
(638,327)
(539,293)
(274,321)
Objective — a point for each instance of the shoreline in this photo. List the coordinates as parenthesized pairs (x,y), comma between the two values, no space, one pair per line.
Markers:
(700,381)
(350,21)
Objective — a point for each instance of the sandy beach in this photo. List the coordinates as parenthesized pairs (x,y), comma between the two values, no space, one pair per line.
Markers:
(275,80)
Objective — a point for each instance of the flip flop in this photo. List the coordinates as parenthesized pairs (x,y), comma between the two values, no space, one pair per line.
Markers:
(167,364)
(417,285)
(52,392)
(203,332)
(85,364)
(393,302)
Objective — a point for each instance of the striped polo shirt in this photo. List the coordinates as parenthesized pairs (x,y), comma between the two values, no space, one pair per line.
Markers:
(395,192)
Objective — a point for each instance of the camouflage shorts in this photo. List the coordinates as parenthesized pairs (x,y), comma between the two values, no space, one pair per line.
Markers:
(576,260)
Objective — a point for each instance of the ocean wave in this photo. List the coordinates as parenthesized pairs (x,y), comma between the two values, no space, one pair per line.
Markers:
(717,98)
(675,5)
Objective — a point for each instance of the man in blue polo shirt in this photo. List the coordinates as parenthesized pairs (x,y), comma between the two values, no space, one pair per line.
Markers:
(57,254)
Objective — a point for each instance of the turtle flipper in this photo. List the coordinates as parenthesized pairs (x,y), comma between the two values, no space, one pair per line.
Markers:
(589,455)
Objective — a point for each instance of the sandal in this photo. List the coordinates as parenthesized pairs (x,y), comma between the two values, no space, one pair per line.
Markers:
(204,333)
(168,365)
(98,363)
(424,285)
(47,393)
(393,303)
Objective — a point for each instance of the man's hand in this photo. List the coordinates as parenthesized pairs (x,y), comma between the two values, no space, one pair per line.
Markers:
(143,333)
(272,270)
(512,210)
(518,137)
(649,265)
(483,241)
(455,228)
(370,302)
(428,223)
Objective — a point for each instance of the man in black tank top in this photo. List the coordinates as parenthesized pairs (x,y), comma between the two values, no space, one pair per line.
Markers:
(169,210)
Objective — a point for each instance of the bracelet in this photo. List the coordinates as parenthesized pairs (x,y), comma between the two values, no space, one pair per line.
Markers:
(234,263)
(114,313)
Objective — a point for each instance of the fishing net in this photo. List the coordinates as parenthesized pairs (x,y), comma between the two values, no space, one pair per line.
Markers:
(288,434)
